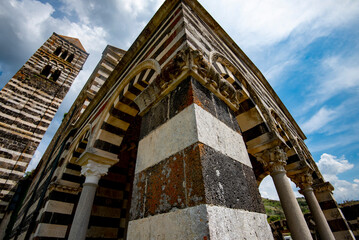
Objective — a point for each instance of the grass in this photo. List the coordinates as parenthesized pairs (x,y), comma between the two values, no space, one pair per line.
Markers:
(274,209)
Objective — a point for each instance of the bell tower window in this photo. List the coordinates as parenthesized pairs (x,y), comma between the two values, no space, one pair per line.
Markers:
(46,70)
(64,54)
(70,58)
(58,51)
(56,75)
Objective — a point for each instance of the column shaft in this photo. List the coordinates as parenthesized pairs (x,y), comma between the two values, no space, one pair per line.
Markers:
(296,222)
(319,218)
(83,211)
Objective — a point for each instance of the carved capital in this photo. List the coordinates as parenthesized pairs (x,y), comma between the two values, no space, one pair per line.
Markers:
(94,170)
(303,180)
(273,160)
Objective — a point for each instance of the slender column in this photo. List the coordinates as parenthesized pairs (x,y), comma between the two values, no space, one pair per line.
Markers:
(319,218)
(93,172)
(334,216)
(305,181)
(274,160)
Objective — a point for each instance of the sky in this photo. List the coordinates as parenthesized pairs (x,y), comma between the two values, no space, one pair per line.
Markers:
(307,50)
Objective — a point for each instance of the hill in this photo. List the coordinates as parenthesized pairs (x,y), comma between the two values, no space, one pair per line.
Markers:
(275,212)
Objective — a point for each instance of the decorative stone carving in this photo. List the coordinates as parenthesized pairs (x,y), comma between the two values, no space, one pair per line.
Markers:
(303,180)
(210,74)
(193,60)
(57,186)
(94,170)
(274,159)
(173,69)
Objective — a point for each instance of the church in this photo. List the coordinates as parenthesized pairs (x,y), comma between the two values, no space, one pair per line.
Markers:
(171,140)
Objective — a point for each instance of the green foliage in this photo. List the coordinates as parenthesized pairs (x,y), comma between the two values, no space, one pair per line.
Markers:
(275,212)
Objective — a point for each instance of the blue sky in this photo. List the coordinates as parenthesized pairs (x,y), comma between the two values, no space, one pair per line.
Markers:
(307,50)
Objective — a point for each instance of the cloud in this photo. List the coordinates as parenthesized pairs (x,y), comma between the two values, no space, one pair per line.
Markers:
(319,120)
(264,23)
(331,166)
(267,189)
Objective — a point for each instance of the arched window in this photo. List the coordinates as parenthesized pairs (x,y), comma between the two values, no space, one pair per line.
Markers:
(46,70)
(56,75)
(70,58)
(64,54)
(58,51)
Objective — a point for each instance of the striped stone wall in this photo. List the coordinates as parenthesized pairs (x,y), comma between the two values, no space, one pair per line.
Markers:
(28,102)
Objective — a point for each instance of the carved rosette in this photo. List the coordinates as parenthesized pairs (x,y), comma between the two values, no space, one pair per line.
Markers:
(273,160)
(93,171)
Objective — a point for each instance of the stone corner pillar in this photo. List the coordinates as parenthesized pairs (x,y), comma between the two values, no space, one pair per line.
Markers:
(193,176)
(92,171)
(332,212)
(305,181)
(274,161)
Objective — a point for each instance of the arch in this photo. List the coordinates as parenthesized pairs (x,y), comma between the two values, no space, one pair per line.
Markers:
(46,70)
(120,110)
(58,51)
(79,144)
(251,115)
(53,63)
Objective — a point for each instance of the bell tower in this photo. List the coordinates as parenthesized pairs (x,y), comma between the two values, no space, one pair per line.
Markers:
(28,103)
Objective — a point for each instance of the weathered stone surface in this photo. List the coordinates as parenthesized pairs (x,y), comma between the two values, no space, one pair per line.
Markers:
(202,222)
(229,183)
(187,92)
(189,126)
(196,175)
(189,223)
(227,223)
(174,183)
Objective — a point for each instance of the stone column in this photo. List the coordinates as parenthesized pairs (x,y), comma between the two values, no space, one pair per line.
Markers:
(193,176)
(274,160)
(332,212)
(93,172)
(305,182)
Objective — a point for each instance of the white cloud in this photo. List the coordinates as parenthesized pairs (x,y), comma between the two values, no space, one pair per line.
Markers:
(319,120)
(263,23)
(267,189)
(337,75)
(331,166)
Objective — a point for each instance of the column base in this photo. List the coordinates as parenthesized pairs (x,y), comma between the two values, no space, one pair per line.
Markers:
(202,222)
